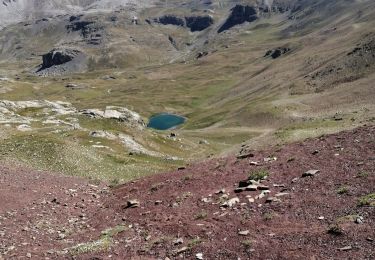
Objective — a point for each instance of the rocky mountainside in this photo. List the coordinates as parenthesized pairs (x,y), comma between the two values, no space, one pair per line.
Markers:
(13,11)
(314,198)
(241,73)
(258,166)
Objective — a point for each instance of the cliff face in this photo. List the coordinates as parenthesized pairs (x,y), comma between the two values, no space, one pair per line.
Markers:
(239,15)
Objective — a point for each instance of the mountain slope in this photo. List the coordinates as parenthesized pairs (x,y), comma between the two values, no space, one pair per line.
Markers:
(186,213)
(298,69)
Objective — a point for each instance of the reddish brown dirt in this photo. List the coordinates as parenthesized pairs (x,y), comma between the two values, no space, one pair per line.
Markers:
(190,209)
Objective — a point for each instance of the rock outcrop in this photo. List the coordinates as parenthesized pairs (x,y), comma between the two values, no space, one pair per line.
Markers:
(239,15)
(170,20)
(58,57)
(276,53)
(121,114)
(61,60)
(199,23)
(194,23)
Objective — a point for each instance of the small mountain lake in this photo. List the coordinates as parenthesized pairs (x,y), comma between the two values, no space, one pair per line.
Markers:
(165,121)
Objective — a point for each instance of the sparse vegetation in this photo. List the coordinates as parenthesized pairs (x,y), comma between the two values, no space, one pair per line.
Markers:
(363,174)
(268,216)
(335,229)
(104,243)
(367,200)
(342,190)
(187,177)
(247,243)
(258,175)
(194,242)
(201,215)
(347,218)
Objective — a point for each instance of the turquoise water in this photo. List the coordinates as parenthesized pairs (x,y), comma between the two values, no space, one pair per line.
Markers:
(165,121)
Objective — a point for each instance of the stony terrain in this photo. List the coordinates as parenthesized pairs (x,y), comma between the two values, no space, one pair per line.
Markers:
(309,199)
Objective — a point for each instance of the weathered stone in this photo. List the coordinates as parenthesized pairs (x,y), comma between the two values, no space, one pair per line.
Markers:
(230,203)
(310,173)
(281,194)
(244,233)
(132,204)
(263,187)
(252,188)
(178,241)
(346,248)
(245,155)
(238,190)
(272,199)
(199,256)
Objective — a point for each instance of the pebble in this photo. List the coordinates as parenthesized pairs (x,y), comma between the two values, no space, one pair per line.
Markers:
(346,248)
(321,218)
(281,194)
(199,256)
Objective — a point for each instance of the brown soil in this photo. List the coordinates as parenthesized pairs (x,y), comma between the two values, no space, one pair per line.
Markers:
(42,217)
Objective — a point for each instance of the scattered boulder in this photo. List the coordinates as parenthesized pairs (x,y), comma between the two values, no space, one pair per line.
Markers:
(202,54)
(239,15)
(276,53)
(245,155)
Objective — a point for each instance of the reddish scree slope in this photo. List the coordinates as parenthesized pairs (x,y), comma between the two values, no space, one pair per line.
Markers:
(184,204)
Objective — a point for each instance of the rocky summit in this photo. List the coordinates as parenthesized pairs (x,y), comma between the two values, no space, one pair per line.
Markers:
(195,129)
